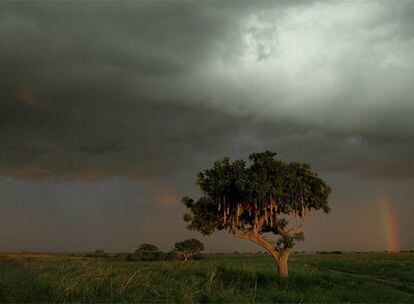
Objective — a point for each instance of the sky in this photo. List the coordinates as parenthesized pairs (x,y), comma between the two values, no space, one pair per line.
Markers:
(108,110)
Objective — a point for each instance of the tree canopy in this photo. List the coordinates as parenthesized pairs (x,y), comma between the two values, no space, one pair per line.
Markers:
(254,198)
(189,248)
(148,247)
(147,252)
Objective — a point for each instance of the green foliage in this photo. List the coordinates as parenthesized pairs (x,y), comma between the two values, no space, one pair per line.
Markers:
(148,248)
(171,256)
(149,252)
(287,241)
(189,248)
(259,194)
(146,252)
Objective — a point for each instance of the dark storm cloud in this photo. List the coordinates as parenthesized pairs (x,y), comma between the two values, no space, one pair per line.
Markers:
(143,89)
(132,99)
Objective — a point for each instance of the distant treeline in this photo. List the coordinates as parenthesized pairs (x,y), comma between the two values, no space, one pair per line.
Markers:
(149,252)
(138,255)
(184,250)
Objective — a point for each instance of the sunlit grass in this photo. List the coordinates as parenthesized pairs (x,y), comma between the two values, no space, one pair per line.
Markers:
(236,279)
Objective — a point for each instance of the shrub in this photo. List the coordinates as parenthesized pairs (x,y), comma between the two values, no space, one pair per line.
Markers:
(146,252)
(171,256)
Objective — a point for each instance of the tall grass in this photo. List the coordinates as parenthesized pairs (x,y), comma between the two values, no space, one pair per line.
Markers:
(229,280)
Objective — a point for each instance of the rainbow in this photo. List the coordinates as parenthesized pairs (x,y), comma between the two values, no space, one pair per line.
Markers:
(390,226)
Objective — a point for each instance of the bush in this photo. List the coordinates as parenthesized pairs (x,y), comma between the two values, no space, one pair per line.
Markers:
(148,247)
(146,252)
(171,256)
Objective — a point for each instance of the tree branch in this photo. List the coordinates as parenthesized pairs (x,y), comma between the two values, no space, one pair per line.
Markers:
(245,230)
(290,231)
(294,229)
(242,235)
(273,250)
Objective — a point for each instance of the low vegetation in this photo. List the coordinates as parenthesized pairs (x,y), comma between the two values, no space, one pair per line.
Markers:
(184,250)
(220,278)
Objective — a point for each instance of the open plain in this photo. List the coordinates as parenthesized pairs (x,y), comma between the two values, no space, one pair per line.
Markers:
(345,277)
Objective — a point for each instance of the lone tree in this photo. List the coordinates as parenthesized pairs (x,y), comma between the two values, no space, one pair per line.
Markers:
(189,248)
(254,201)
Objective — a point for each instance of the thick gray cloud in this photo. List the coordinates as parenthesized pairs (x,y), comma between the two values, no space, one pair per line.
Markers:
(152,92)
(144,89)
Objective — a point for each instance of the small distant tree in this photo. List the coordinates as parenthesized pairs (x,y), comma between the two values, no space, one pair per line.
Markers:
(148,247)
(254,201)
(146,252)
(189,248)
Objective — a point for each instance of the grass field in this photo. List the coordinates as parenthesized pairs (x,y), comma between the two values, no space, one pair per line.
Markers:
(313,278)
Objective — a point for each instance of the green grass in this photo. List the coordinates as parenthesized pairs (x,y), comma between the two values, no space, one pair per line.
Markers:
(236,279)
(393,266)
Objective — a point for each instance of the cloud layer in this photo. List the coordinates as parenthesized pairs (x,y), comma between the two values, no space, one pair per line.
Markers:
(144,90)
(140,96)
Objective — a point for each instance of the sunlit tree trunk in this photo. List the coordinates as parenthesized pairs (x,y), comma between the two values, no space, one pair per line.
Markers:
(281,258)
(282,262)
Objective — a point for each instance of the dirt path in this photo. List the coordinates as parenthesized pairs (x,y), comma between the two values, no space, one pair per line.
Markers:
(409,287)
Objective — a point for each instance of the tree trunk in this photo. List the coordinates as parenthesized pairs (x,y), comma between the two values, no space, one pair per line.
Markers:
(282,262)
(280,257)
